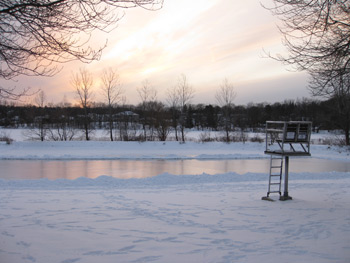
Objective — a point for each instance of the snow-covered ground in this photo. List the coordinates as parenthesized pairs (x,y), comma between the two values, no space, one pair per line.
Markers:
(100,149)
(93,150)
(168,218)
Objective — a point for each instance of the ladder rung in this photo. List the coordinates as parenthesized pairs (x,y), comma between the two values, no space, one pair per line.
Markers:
(277,164)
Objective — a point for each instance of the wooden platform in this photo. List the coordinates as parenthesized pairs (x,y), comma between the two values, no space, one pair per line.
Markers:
(288,138)
(287,153)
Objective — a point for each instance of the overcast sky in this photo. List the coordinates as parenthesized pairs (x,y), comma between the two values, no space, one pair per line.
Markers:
(207,40)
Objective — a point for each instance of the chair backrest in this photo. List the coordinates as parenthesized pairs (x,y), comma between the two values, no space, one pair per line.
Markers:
(297,132)
(291,131)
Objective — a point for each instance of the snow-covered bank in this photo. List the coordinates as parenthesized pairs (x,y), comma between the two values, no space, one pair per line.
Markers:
(175,219)
(83,150)
(127,150)
(162,180)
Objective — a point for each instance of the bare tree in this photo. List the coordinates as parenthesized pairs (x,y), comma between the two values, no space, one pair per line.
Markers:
(112,91)
(36,36)
(173,102)
(40,121)
(83,84)
(147,92)
(162,120)
(40,99)
(185,95)
(147,95)
(38,129)
(317,37)
(337,90)
(225,97)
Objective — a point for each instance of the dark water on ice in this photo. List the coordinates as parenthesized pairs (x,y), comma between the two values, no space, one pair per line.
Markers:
(55,169)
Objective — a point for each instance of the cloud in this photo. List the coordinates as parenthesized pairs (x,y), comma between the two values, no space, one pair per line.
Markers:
(207,40)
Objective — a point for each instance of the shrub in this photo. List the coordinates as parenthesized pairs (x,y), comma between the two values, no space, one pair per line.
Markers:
(256,138)
(205,137)
(5,138)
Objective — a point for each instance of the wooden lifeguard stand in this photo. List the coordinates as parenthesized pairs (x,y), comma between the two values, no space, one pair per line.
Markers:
(285,139)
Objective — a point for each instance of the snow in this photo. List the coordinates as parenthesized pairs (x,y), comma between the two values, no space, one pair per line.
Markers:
(103,150)
(22,149)
(171,218)
(194,218)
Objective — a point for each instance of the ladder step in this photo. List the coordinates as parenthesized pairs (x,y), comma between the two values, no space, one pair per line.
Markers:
(276,167)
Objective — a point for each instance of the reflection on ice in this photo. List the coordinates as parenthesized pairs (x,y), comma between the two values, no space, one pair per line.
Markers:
(124,169)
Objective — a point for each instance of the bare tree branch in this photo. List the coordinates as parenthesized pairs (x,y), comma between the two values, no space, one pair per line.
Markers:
(14,94)
(315,33)
(37,35)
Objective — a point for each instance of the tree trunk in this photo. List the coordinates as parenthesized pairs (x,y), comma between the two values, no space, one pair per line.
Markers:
(182,133)
(86,132)
(347,131)
(111,130)
(227,134)
(176,136)
(111,123)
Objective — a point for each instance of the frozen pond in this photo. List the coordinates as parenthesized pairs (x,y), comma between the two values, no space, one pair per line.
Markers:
(55,169)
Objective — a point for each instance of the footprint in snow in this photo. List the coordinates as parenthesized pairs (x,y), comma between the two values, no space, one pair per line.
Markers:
(22,243)
(70,260)
(5,233)
(29,258)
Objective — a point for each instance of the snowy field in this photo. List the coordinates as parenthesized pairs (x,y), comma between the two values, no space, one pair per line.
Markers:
(168,218)
(102,149)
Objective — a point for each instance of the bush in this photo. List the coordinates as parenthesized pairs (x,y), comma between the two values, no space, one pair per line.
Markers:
(5,138)
(256,138)
(336,141)
(205,137)
(240,136)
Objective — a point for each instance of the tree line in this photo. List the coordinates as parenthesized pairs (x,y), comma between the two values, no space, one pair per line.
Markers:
(153,120)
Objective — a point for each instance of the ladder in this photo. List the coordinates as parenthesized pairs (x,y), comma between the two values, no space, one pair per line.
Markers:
(275,178)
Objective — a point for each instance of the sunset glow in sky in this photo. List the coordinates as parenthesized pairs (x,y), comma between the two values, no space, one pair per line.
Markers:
(207,40)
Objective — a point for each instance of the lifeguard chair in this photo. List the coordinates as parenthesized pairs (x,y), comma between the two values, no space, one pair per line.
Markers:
(285,139)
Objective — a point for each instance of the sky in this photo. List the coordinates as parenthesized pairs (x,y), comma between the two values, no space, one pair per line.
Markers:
(206,40)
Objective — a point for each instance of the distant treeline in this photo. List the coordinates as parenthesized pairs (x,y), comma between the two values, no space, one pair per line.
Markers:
(155,120)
